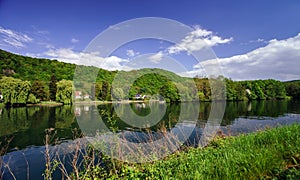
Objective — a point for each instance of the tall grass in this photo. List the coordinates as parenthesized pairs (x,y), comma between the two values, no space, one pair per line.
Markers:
(264,154)
(273,153)
(4,165)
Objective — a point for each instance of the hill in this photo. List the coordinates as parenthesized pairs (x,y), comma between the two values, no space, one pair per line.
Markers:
(28,68)
(127,84)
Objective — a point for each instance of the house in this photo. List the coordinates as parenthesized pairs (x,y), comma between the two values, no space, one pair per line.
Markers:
(86,96)
(78,95)
(139,96)
(1,97)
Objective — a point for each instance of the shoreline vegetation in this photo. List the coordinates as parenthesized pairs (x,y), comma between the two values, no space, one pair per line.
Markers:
(267,154)
(46,103)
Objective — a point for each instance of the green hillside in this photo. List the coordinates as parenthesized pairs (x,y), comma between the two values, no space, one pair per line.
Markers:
(28,68)
(43,79)
(293,88)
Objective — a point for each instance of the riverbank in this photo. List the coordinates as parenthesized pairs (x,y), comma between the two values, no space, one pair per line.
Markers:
(274,153)
(47,103)
(53,103)
(109,102)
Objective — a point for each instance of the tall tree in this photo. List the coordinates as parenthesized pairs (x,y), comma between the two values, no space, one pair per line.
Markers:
(170,92)
(293,89)
(38,90)
(105,91)
(14,91)
(53,87)
(64,91)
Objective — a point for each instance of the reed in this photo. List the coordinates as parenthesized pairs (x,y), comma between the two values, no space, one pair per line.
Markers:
(272,153)
(269,154)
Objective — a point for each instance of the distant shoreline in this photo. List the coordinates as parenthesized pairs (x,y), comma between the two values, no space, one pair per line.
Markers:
(54,104)
(47,103)
(111,102)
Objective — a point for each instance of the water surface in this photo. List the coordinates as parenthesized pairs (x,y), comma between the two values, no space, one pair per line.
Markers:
(26,125)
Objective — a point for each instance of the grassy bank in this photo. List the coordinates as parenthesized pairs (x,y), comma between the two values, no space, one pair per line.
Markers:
(269,154)
(46,103)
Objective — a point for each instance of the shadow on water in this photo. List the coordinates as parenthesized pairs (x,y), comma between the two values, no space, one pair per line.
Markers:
(27,125)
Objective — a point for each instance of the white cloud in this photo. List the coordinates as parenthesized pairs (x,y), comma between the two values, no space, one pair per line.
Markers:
(156,57)
(73,40)
(197,40)
(131,53)
(279,59)
(13,38)
(259,40)
(43,32)
(89,59)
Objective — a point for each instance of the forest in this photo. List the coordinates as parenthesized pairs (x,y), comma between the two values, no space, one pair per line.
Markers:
(27,80)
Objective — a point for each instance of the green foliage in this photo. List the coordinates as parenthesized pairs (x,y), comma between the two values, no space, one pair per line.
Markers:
(251,156)
(64,91)
(293,88)
(14,91)
(169,92)
(104,93)
(203,87)
(52,88)
(118,94)
(255,90)
(97,91)
(27,68)
(274,89)
(271,154)
(38,90)
(149,82)
(32,99)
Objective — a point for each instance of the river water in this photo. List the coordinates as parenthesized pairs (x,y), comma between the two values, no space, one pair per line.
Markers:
(26,126)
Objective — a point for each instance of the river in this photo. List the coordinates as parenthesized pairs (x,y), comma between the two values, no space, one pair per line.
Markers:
(26,125)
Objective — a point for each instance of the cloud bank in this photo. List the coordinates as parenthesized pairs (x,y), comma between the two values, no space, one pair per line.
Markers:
(279,59)
(197,40)
(89,59)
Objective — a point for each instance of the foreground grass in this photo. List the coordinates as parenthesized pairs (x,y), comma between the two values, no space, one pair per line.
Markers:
(269,154)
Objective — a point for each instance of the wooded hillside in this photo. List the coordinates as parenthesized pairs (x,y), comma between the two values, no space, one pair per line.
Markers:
(42,78)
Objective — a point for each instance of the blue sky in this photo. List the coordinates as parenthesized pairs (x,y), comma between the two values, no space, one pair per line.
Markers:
(255,39)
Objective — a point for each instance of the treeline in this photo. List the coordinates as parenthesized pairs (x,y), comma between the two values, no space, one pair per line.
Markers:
(30,80)
(255,90)
(293,88)
(28,68)
(16,92)
(31,69)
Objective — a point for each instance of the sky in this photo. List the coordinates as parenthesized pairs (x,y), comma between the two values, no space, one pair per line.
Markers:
(258,39)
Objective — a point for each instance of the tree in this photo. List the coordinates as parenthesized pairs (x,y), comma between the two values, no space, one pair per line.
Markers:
(203,85)
(14,91)
(257,90)
(118,93)
(32,99)
(170,92)
(293,89)
(240,92)
(38,90)
(97,90)
(64,91)
(53,87)
(105,92)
